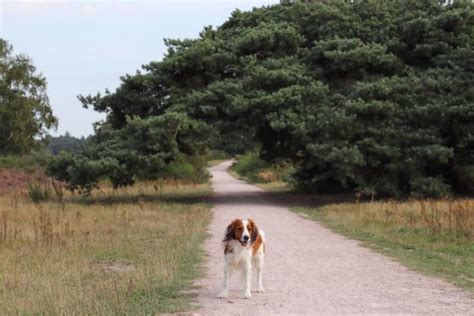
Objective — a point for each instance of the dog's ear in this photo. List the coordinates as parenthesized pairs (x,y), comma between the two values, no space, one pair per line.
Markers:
(230,231)
(254,229)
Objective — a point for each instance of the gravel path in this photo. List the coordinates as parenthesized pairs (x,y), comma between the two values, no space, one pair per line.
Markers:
(310,270)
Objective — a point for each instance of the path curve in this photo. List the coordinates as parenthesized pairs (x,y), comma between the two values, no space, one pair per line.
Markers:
(309,269)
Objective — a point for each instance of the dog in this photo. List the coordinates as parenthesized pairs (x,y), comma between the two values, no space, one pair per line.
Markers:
(244,248)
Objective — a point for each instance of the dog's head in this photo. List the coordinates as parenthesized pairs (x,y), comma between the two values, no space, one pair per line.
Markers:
(244,231)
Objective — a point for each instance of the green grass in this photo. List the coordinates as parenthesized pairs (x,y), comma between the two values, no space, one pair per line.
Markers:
(433,237)
(215,162)
(269,177)
(275,186)
(26,163)
(130,251)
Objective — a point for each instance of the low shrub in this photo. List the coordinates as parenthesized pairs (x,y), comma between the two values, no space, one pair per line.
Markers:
(429,187)
(189,169)
(38,192)
(255,169)
(465,179)
(250,165)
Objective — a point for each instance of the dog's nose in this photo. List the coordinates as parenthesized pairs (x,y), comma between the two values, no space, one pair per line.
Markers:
(246,238)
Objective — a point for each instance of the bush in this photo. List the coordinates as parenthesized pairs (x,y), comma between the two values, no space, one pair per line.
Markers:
(38,192)
(217,154)
(254,169)
(178,171)
(167,146)
(249,166)
(429,187)
(26,163)
(465,179)
(188,170)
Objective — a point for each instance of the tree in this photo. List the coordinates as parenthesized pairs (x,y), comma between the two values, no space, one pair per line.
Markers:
(148,148)
(65,142)
(25,113)
(370,96)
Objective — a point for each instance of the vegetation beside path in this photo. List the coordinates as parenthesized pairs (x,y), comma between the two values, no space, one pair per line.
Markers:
(126,251)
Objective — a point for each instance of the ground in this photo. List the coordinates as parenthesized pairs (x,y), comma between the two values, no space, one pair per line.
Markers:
(310,269)
(130,251)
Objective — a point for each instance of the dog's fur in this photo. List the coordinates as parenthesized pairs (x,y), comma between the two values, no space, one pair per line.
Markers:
(244,248)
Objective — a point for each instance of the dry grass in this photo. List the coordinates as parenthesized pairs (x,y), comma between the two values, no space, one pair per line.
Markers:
(433,236)
(276,186)
(128,251)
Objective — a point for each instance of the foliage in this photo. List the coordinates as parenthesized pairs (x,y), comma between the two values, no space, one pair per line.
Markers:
(25,113)
(249,165)
(158,146)
(38,192)
(66,143)
(256,170)
(28,163)
(366,96)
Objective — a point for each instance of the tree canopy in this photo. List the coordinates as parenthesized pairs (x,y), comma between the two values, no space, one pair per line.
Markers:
(66,143)
(374,96)
(25,113)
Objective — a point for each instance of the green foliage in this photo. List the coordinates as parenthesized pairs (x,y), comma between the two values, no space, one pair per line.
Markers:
(429,187)
(38,192)
(370,96)
(65,142)
(29,163)
(249,165)
(256,170)
(158,146)
(26,162)
(25,113)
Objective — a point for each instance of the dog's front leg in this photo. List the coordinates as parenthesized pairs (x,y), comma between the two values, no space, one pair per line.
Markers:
(225,288)
(247,276)
(259,264)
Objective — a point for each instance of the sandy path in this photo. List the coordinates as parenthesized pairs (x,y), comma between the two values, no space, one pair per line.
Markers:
(310,270)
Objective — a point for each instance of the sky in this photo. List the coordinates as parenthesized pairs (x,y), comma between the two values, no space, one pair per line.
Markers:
(83,47)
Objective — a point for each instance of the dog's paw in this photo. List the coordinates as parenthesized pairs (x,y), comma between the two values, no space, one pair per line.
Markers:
(223,294)
(260,290)
(248,295)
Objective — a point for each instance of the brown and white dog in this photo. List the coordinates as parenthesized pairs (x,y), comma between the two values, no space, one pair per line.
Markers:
(244,248)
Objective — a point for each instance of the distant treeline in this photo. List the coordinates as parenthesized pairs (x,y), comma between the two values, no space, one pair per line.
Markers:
(368,96)
(66,143)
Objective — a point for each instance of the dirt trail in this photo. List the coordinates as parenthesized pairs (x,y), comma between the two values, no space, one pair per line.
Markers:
(310,270)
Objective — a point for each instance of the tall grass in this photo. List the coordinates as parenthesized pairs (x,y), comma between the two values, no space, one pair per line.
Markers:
(127,251)
(433,236)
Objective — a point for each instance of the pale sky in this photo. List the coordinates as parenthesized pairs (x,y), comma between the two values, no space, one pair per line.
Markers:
(83,47)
